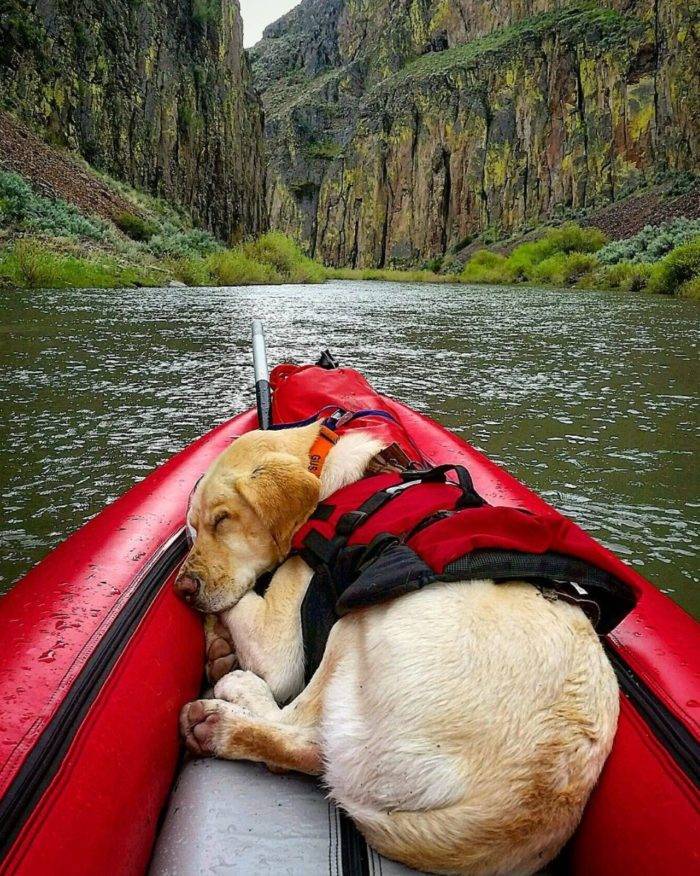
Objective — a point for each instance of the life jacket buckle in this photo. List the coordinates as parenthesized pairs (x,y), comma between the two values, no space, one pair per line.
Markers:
(349,522)
(399,488)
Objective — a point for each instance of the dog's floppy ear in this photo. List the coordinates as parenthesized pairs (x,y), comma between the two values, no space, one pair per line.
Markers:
(282,493)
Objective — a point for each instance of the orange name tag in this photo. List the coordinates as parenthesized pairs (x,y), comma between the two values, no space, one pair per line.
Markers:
(320,449)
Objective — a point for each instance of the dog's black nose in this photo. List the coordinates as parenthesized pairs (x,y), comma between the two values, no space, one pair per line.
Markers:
(187,586)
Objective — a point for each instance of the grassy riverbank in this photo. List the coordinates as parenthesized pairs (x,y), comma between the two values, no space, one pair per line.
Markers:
(272,259)
(139,241)
(46,242)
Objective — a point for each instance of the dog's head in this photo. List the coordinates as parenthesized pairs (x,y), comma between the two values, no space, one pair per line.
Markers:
(243,515)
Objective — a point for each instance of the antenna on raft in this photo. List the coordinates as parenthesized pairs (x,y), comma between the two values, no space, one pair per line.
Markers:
(263,393)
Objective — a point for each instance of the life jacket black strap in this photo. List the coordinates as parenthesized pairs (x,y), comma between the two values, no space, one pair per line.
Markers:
(470,497)
(572,579)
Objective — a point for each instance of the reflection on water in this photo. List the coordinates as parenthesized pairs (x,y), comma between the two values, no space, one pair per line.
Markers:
(591,399)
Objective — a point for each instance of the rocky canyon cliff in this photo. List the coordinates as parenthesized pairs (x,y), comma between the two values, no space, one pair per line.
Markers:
(398,130)
(158,93)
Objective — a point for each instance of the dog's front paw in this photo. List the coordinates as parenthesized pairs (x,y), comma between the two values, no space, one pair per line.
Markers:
(207,724)
(247,690)
(221,654)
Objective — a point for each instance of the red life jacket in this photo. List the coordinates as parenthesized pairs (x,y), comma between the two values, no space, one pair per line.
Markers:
(390,534)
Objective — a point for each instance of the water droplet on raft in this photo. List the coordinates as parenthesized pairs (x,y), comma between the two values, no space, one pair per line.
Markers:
(48,656)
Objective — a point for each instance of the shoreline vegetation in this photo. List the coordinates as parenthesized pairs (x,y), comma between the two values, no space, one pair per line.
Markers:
(48,243)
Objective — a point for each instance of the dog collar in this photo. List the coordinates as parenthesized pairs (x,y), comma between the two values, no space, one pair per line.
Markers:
(322,446)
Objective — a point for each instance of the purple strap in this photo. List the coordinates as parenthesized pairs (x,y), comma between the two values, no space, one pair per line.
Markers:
(338,417)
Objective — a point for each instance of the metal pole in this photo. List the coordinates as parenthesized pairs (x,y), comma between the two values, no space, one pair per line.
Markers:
(263,394)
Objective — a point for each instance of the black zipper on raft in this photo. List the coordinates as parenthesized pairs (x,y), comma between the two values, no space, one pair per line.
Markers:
(675,737)
(45,758)
(354,854)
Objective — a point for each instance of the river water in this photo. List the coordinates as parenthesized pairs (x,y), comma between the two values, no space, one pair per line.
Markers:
(592,399)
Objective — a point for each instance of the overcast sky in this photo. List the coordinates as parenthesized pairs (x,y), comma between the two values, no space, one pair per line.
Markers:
(257,14)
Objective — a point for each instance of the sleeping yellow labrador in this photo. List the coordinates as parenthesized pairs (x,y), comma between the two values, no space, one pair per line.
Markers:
(462,726)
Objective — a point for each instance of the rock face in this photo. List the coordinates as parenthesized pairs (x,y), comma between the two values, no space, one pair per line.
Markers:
(156,92)
(399,129)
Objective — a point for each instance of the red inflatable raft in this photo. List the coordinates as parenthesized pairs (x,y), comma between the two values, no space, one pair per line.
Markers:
(98,656)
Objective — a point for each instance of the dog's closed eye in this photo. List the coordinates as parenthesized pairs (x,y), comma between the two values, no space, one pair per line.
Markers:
(220,517)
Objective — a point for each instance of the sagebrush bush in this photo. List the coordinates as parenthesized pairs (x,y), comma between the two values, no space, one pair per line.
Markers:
(23,209)
(651,243)
(15,196)
(172,242)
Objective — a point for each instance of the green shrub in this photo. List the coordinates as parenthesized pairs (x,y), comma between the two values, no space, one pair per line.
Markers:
(565,269)
(485,267)
(652,243)
(627,276)
(15,197)
(233,267)
(690,289)
(194,271)
(434,265)
(35,266)
(308,271)
(569,238)
(676,269)
(135,227)
(521,263)
(544,260)
(487,259)
(275,249)
(572,238)
(285,257)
